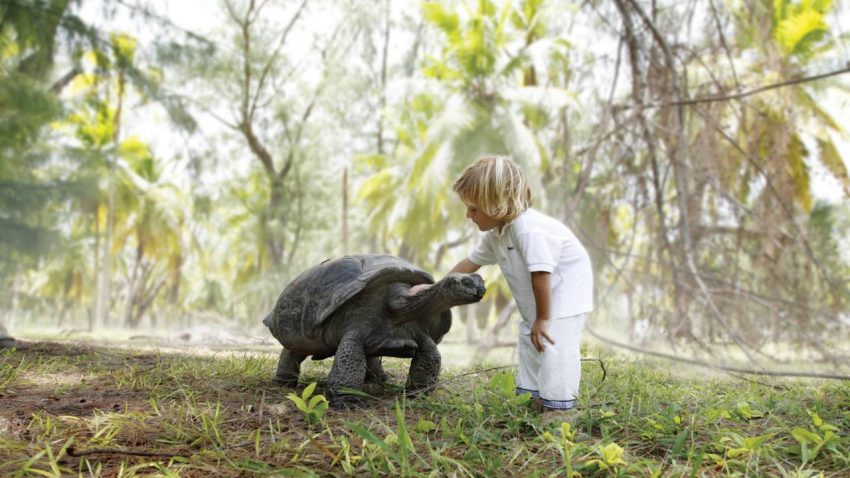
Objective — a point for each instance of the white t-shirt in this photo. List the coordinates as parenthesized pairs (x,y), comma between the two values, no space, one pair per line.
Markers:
(537,242)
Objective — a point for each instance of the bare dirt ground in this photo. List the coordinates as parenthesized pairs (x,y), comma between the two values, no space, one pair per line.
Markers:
(69,389)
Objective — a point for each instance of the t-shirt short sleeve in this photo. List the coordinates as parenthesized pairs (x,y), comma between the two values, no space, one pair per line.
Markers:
(485,253)
(539,251)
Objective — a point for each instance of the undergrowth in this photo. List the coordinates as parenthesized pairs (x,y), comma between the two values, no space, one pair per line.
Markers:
(88,411)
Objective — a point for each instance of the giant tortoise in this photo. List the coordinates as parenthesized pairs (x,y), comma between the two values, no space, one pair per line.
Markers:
(357,308)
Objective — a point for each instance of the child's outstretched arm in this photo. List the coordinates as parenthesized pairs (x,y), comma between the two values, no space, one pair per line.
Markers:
(541,287)
(465,266)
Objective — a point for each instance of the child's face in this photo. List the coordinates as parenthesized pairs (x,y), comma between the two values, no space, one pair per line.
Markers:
(482,220)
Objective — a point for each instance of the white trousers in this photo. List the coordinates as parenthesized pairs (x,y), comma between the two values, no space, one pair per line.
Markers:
(554,374)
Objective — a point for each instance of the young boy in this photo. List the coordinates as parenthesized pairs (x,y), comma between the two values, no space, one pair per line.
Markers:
(547,268)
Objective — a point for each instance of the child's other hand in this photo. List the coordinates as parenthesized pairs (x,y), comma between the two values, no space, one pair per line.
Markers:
(417,289)
(539,332)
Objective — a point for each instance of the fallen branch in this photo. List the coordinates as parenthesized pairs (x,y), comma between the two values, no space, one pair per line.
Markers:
(124,451)
(725,368)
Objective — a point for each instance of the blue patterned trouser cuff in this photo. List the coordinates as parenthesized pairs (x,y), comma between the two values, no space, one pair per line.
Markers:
(554,404)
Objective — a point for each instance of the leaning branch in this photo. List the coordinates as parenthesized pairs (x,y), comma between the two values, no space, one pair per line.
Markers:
(744,94)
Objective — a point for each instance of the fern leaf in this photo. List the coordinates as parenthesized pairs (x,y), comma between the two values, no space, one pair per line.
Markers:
(834,163)
(797,33)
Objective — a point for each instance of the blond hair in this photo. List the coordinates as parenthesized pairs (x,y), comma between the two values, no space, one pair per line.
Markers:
(495,185)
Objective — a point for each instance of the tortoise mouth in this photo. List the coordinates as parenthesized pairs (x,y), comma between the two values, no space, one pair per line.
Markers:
(469,297)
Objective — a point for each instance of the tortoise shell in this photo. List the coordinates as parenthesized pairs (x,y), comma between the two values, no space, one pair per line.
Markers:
(319,291)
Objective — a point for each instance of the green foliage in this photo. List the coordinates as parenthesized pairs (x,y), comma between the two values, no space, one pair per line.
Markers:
(812,440)
(505,386)
(512,77)
(610,458)
(221,415)
(475,108)
(800,27)
(28,188)
(313,406)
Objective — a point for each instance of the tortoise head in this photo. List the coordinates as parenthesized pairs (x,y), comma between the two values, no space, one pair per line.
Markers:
(463,288)
(454,289)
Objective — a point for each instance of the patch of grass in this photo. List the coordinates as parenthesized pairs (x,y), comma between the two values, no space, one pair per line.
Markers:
(92,411)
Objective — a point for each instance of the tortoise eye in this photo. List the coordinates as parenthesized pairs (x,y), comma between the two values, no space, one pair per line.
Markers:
(467,282)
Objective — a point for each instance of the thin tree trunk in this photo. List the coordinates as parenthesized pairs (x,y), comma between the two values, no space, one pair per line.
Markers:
(471,312)
(105,292)
(105,276)
(382,102)
(131,290)
(345,211)
(95,307)
(491,338)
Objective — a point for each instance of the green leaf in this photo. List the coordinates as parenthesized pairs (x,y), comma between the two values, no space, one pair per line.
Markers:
(308,390)
(612,454)
(797,33)
(299,403)
(832,161)
(804,436)
(376,186)
(435,14)
(679,442)
(372,438)
(738,452)
(504,383)
(425,426)
(799,172)
(316,400)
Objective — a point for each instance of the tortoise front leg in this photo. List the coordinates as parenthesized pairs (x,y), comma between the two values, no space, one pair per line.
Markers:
(288,368)
(425,366)
(348,371)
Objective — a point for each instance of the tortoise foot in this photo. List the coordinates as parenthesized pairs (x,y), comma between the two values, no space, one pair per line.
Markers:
(346,402)
(383,377)
(286,381)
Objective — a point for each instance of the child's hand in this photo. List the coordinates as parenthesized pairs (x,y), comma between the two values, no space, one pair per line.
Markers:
(538,333)
(417,289)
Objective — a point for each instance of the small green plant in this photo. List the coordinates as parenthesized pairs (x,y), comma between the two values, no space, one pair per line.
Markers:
(396,449)
(610,458)
(813,441)
(313,406)
(8,374)
(566,445)
(504,385)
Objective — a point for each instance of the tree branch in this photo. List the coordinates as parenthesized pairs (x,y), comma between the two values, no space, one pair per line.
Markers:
(725,368)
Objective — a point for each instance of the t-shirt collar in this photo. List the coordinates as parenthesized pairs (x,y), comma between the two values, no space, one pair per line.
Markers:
(500,233)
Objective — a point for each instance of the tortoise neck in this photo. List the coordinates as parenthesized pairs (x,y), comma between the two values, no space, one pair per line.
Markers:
(429,302)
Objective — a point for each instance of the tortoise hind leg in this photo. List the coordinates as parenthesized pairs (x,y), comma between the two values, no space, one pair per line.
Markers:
(375,371)
(288,368)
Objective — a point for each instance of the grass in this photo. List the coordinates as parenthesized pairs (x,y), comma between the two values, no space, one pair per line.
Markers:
(68,410)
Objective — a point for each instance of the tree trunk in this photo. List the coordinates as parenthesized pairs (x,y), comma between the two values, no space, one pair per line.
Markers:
(491,338)
(131,290)
(471,312)
(105,289)
(105,276)
(345,211)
